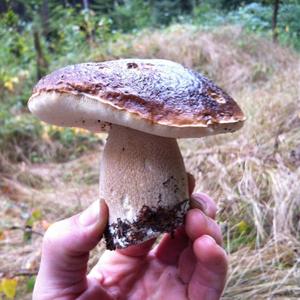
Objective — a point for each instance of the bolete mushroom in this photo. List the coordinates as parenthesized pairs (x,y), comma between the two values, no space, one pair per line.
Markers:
(144,104)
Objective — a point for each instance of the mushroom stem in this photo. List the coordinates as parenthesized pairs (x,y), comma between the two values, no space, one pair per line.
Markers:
(144,182)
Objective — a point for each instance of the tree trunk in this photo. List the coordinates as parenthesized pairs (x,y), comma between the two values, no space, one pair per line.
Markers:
(85,4)
(41,61)
(45,19)
(274,20)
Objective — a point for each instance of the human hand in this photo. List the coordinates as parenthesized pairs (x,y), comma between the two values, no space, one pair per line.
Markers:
(190,266)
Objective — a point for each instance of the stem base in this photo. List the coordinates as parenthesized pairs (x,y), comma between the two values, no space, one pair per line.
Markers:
(150,222)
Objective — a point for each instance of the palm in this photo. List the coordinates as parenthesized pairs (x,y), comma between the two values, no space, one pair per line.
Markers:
(170,271)
(190,266)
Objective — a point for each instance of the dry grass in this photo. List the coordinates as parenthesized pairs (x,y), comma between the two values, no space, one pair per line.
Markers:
(253,174)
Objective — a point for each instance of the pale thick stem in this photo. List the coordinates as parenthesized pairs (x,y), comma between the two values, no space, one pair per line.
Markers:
(143,180)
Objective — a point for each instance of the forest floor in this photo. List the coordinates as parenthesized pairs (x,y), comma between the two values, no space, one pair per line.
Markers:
(253,174)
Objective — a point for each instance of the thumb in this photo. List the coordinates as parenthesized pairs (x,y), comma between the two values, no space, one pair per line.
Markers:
(66,247)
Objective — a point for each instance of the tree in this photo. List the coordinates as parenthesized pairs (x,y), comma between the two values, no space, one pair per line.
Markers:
(41,60)
(45,19)
(274,20)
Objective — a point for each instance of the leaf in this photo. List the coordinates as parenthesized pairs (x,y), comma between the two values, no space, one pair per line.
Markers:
(9,287)
(9,84)
(36,214)
(2,235)
(30,283)
(243,227)
(27,234)
(29,222)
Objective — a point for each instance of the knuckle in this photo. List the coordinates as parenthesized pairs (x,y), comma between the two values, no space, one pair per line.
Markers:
(215,230)
(52,235)
(212,210)
(219,234)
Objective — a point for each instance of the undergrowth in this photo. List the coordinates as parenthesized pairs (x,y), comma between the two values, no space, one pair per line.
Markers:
(253,174)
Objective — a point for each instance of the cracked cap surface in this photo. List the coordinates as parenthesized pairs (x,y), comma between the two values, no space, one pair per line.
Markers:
(156,96)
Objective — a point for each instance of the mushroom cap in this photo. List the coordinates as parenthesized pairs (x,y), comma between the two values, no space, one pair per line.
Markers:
(156,96)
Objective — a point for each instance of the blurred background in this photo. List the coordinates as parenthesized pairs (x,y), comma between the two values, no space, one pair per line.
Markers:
(251,49)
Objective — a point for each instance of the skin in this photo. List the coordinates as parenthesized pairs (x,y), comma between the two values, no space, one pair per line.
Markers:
(193,265)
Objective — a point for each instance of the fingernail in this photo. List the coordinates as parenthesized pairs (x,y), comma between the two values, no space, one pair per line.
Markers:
(191,182)
(198,202)
(90,216)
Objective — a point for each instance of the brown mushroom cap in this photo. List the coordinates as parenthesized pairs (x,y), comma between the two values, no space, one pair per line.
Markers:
(152,95)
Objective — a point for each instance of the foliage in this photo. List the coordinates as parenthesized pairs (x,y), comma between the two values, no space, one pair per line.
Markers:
(74,34)
(124,20)
(19,137)
(289,25)
(234,4)
(24,138)
(30,283)
(15,57)
(258,190)
(253,175)
(206,16)
(256,17)
(8,287)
